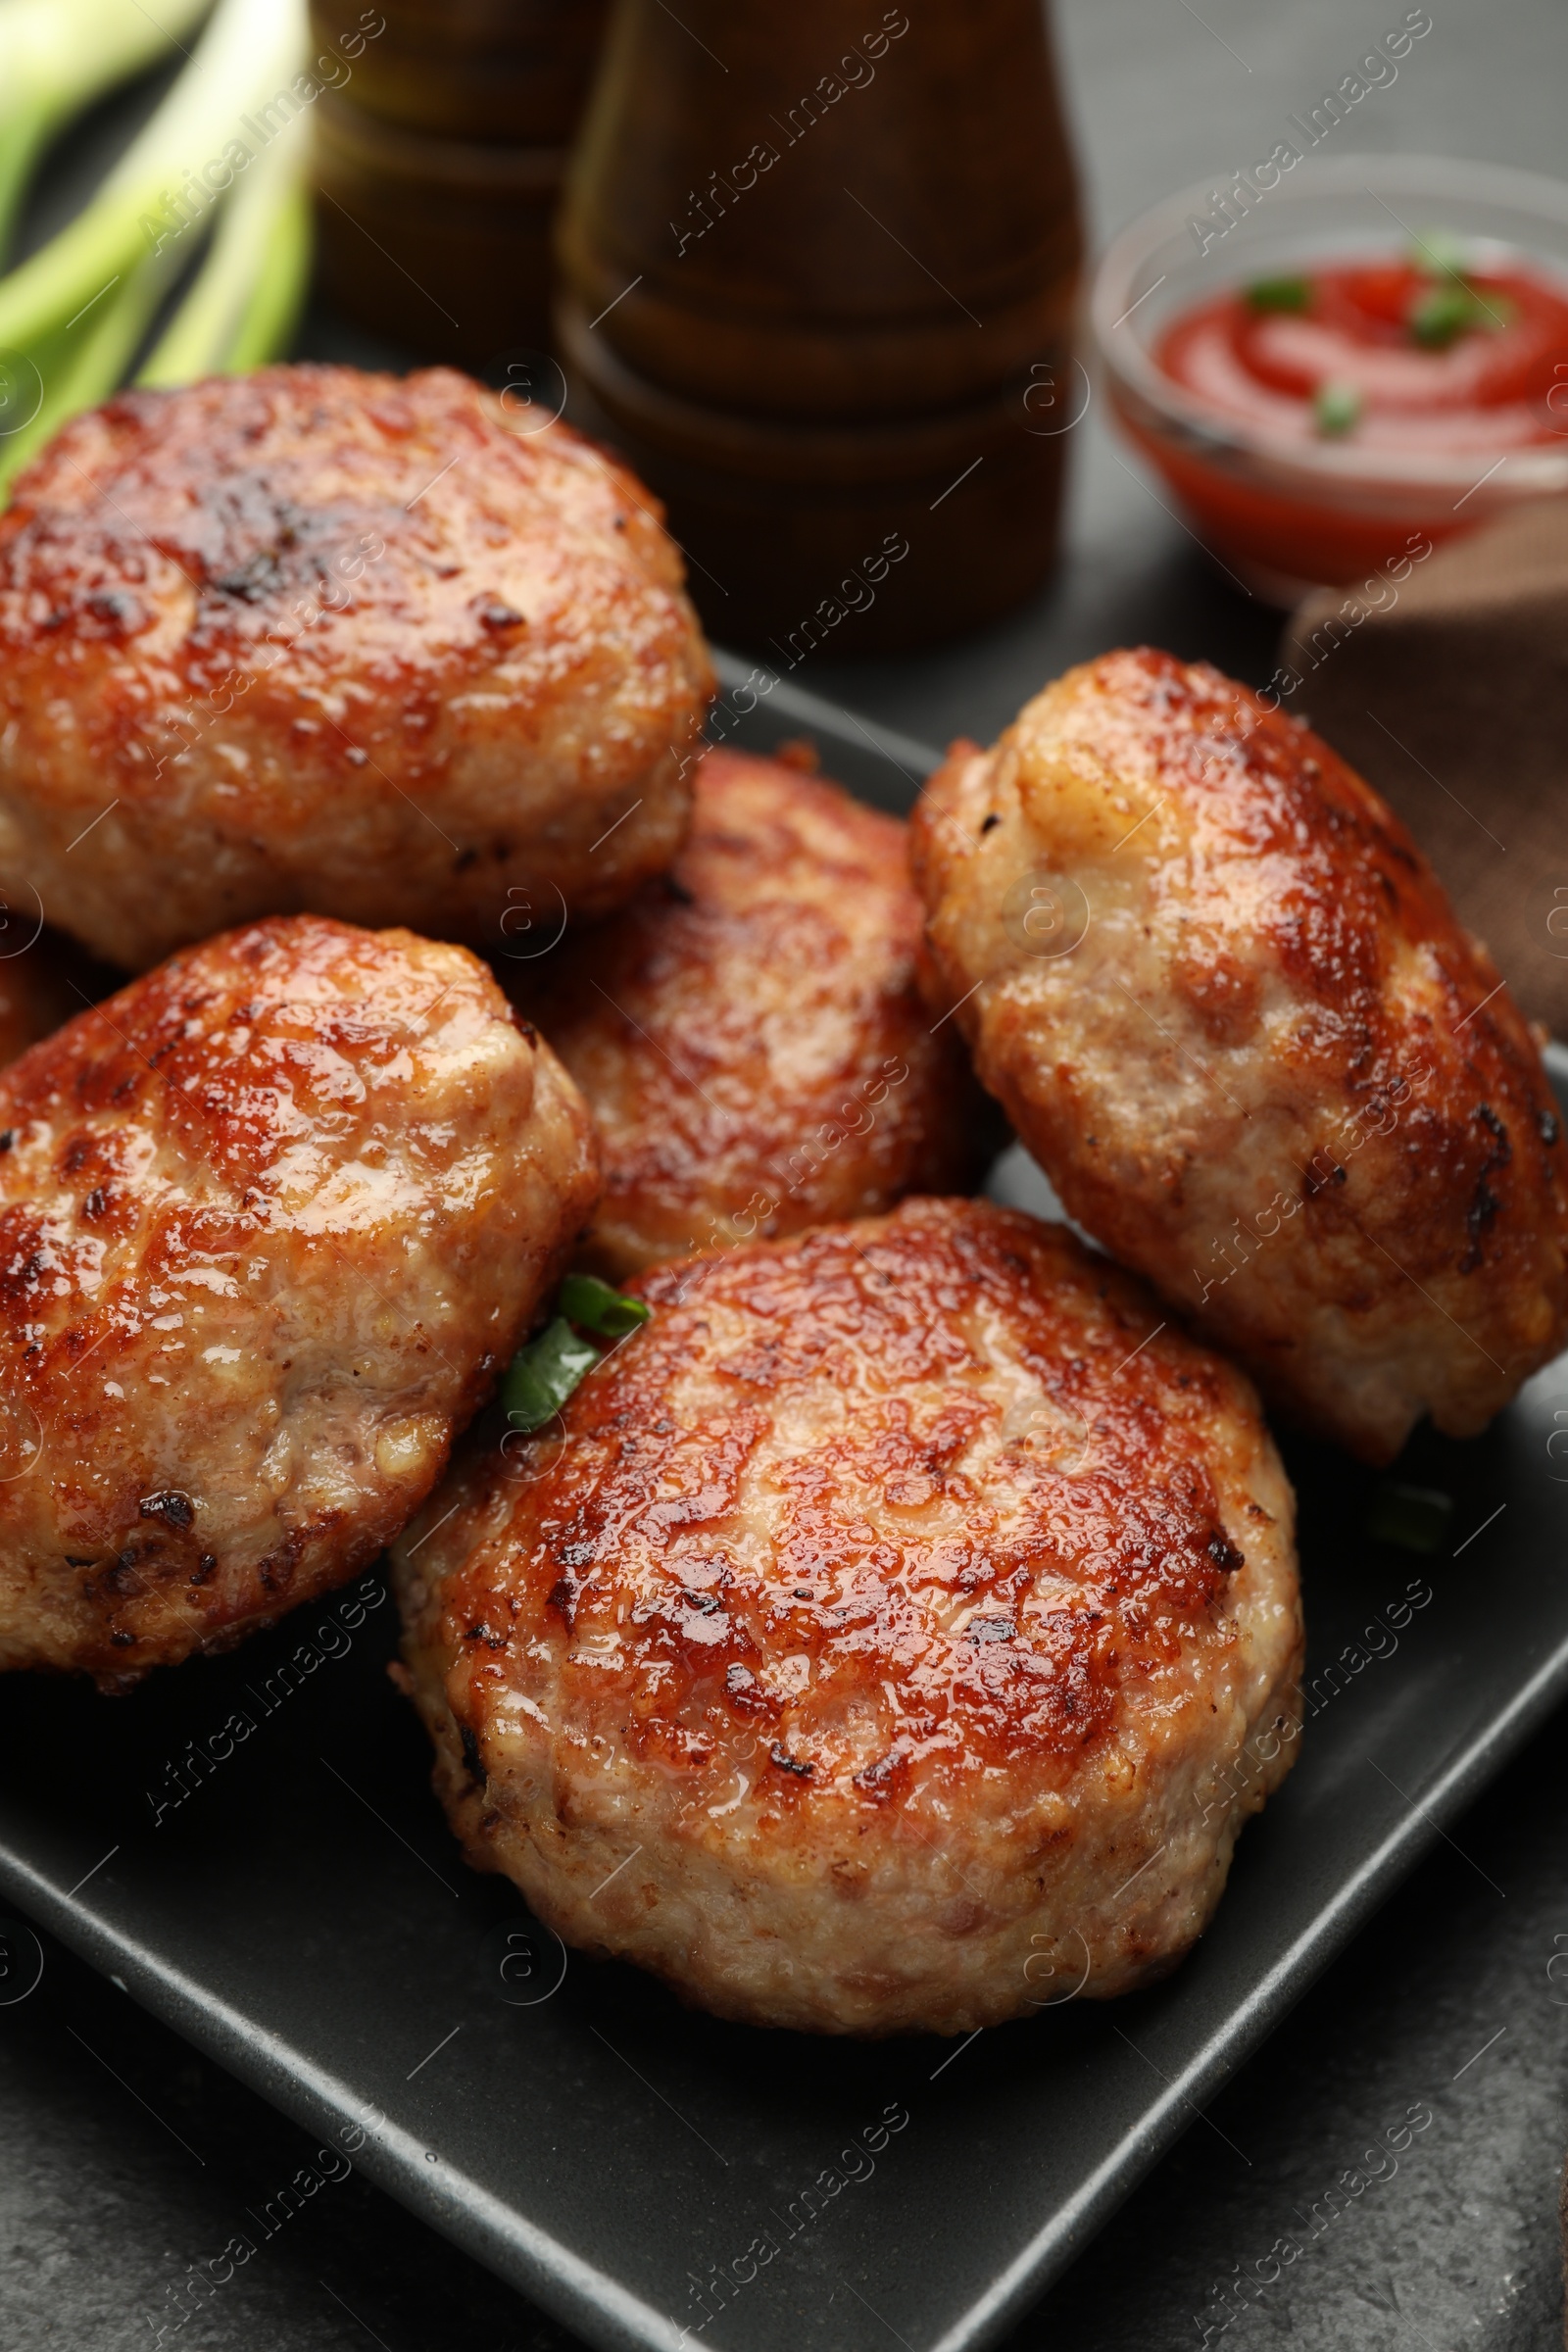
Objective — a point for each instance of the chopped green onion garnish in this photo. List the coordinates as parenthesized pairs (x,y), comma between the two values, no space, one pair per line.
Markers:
(1451,306)
(1442,252)
(543,1375)
(1415,1518)
(1336,408)
(586,1300)
(1441,313)
(1280,294)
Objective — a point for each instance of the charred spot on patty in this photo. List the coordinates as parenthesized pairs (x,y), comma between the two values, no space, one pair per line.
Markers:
(170,1506)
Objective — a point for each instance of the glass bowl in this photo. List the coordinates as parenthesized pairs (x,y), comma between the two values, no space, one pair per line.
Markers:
(1290,514)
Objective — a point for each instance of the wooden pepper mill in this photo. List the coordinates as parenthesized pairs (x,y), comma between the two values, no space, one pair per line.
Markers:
(439,164)
(817,266)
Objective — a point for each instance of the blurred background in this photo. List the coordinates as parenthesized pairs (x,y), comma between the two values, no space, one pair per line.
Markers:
(432,242)
(442,150)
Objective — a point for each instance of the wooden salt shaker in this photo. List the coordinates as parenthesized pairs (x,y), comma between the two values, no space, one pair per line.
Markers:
(817,267)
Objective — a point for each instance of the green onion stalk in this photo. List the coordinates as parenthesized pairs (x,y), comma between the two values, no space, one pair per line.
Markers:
(246,298)
(56,58)
(73,315)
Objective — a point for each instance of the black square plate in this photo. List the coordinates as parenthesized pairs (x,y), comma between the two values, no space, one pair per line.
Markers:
(251,1848)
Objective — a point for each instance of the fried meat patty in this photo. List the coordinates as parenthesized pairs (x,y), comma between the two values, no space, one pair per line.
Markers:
(1228,1008)
(316,639)
(748,1032)
(894,1634)
(271,1220)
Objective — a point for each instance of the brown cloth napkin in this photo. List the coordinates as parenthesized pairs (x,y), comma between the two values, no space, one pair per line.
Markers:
(1443,679)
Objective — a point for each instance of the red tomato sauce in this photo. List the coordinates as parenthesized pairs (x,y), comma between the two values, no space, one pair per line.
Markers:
(1384,357)
(1424,362)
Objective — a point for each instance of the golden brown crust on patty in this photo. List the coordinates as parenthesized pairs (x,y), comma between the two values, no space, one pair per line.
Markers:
(339,642)
(1228,1008)
(270,1221)
(896,1617)
(749,1033)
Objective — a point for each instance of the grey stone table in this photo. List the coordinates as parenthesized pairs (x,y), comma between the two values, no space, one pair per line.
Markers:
(123,2155)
